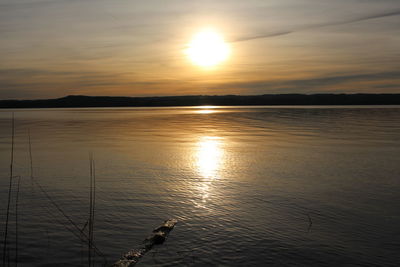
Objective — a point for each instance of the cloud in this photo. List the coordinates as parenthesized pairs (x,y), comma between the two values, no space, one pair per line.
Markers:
(321,25)
(262,36)
(28,4)
(29,83)
(349,83)
(359,19)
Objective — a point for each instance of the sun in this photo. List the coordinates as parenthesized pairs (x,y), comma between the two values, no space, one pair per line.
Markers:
(207,49)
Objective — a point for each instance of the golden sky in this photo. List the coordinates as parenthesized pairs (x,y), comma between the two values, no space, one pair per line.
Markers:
(53,48)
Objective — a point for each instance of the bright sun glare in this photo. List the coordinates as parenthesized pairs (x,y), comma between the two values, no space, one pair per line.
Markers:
(207,49)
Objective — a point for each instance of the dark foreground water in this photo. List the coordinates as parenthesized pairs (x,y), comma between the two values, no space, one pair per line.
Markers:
(244,183)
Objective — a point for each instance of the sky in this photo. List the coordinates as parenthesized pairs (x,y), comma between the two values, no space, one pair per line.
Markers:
(54,48)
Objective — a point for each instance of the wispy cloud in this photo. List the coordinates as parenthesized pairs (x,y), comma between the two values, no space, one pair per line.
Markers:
(320,25)
(262,36)
(358,19)
(350,82)
(29,83)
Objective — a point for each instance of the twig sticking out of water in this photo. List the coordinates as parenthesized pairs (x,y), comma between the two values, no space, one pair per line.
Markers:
(83,244)
(94,200)
(90,212)
(92,205)
(5,250)
(67,226)
(310,222)
(8,256)
(48,244)
(16,221)
(72,223)
(82,235)
(30,156)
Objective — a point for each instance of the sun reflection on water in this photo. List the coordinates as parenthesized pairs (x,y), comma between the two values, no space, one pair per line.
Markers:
(206,109)
(209,157)
(209,162)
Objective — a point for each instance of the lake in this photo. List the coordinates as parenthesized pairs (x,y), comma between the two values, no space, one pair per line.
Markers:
(250,186)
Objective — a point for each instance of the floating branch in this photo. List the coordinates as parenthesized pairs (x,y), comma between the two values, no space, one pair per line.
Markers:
(157,237)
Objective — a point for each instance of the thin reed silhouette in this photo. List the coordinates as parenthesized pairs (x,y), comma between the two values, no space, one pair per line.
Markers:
(92,203)
(310,222)
(90,211)
(30,155)
(16,221)
(82,235)
(5,249)
(75,226)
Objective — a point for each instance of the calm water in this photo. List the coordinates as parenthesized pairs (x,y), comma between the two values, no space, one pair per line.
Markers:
(243,183)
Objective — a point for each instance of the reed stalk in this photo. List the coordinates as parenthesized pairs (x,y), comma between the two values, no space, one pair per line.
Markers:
(16,221)
(5,250)
(92,204)
(90,211)
(75,228)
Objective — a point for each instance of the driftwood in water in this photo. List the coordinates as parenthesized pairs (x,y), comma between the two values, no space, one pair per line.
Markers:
(158,236)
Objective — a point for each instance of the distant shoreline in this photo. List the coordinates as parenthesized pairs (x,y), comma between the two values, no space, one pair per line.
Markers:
(80,101)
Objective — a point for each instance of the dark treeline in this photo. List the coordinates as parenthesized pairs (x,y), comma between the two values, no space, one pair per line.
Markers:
(226,100)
